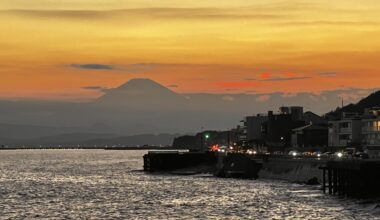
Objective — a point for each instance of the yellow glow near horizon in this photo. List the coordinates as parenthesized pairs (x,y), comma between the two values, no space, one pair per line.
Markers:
(203,46)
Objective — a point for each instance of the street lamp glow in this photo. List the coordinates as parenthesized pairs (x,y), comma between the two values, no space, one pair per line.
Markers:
(207,136)
(340,155)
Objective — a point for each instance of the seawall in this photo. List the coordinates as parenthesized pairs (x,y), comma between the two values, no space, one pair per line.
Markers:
(292,169)
(179,162)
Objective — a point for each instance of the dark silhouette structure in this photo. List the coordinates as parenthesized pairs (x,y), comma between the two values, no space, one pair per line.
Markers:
(310,137)
(277,131)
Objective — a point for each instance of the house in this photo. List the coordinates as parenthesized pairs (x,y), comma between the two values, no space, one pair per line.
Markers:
(253,126)
(346,131)
(371,131)
(277,130)
(310,137)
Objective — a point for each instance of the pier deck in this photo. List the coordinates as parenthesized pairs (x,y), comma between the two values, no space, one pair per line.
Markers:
(354,178)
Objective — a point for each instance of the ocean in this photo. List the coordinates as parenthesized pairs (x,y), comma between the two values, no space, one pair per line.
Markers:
(99,184)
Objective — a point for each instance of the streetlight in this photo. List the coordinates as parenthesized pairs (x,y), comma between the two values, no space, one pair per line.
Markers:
(207,136)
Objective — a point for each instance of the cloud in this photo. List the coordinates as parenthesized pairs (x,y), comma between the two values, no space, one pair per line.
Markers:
(263,98)
(288,76)
(137,68)
(250,79)
(96,88)
(265,76)
(231,90)
(162,12)
(93,66)
(172,86)
(128,68)
(314,98)
(354,94)
(277,79)
(289,94)
(328,74)
(348,96)
(228,98)
(328,23)
(236,85)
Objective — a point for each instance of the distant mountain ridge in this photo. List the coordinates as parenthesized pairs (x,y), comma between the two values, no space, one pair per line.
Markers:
(143,106)
(138,93)
(371,101)
(92,140)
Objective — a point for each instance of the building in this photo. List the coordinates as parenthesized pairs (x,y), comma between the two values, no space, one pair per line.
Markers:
(310,137)
(296,112)
(238,138)
(345,132)
(277,130)
(274,131)
(354,130)
(371,131)
(253,126)
(203,141)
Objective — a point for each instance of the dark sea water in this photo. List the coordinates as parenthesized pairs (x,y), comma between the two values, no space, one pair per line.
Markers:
(97,184)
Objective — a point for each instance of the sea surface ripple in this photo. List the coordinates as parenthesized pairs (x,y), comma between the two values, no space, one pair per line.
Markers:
(98,184)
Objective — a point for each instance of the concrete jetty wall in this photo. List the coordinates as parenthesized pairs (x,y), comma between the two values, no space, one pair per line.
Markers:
(292,169)
(159,161)
(238,165)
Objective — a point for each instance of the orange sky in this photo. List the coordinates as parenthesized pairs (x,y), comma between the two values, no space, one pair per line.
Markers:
(215,46)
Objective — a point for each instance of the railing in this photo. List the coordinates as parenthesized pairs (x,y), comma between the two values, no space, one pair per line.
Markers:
(345,130)
(371,129)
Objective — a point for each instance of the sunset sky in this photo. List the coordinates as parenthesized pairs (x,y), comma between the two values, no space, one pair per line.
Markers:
(71,49)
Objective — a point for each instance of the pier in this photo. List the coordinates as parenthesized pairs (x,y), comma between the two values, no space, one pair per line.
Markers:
(353,178)
(156,161)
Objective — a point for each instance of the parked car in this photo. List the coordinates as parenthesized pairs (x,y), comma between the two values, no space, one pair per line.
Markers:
(293,153)
(326,154)
(361,155)
(340,154)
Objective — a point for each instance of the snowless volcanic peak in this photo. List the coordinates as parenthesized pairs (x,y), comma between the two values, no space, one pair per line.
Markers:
(139,91)
(143,85)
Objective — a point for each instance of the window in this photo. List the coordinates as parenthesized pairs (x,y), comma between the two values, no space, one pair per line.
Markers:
(344,137)
(344,125)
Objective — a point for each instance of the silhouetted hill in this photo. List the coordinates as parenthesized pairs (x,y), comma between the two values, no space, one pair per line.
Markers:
(311,117)
(92,139)
(140,93)
(373,100)
(134,140)
(15,131)
(142,106)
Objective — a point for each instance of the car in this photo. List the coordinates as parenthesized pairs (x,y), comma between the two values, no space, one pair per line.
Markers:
(341,154)
(326,154)
(361,155)
(293,153)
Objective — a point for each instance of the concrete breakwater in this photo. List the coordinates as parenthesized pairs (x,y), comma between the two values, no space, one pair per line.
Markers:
(347,177)
(238,165)
(235,165)
(179,162)
(303,170)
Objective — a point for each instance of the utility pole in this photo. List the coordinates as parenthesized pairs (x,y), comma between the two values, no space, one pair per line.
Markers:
(228,139)
(202,138)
